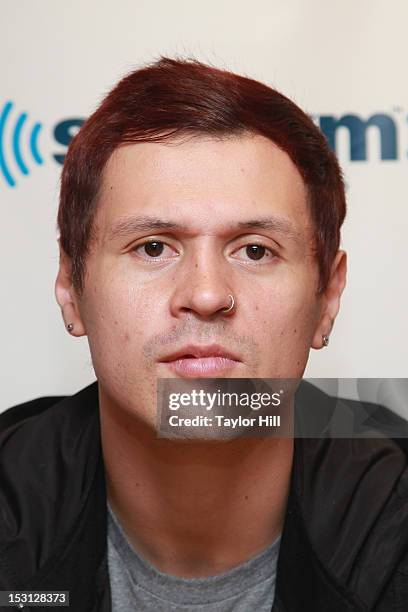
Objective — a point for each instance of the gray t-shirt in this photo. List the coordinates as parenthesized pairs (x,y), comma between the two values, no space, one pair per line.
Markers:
(138,586)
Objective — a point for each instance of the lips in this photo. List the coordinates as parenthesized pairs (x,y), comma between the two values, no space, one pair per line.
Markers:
(198,361)
(196,351)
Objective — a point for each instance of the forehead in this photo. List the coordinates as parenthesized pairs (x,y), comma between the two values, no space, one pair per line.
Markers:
(204,183)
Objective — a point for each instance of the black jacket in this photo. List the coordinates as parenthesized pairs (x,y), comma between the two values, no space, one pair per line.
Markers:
(344,544)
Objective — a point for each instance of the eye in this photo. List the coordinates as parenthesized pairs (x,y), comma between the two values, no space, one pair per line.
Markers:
(258,252)
(153,249)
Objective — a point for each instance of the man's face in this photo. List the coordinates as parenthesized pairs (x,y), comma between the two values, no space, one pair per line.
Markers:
(151,289)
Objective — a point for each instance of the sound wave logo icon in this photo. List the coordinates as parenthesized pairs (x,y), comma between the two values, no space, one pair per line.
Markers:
(16,143)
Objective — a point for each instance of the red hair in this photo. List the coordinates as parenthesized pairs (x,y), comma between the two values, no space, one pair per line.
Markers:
(173,97)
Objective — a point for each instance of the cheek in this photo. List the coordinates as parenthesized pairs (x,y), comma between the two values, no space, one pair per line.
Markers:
(117,318)
(286,325)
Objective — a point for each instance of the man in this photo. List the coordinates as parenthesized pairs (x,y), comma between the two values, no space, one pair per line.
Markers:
(199,219)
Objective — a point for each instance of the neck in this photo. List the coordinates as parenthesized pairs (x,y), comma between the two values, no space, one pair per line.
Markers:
(194,509)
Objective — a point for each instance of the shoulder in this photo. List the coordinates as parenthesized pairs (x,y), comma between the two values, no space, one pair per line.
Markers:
(352,496)
(36,435)
(361,477)
(41,439)
(44,409)
(21,412)
(51,472)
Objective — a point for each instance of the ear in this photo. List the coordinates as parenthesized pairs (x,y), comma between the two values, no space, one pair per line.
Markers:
(66,296)
(331,299)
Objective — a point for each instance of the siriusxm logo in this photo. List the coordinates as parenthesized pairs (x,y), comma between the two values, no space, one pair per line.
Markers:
(16,143)
(357,129)
(19,143)
(351,136)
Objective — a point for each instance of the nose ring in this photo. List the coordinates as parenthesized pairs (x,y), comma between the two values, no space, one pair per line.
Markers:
(231,307)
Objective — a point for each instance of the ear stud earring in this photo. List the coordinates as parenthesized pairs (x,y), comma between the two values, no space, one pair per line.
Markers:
(325,340)
(70,327)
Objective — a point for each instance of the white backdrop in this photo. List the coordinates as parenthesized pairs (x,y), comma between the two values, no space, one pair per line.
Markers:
(333,58)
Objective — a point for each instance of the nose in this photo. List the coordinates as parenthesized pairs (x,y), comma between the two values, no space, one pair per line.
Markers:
(203,287)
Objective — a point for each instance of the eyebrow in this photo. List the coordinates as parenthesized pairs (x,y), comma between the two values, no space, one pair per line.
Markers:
(278,224)
(131,225)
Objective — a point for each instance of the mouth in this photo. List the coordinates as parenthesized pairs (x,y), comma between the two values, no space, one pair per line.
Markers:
(201,361)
